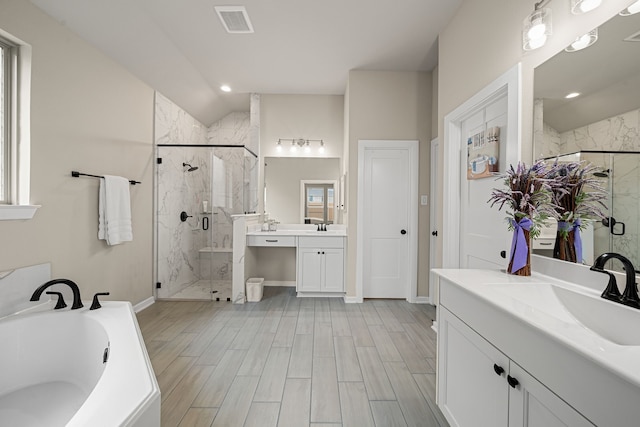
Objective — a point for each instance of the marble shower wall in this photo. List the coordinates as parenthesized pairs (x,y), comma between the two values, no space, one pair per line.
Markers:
(615,134)
(186,252)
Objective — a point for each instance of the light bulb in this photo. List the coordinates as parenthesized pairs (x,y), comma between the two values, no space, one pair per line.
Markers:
(537,42)
(589,5)
(537,30)
(321,149)
(279,146)
(634,8)
(581,42)
(307,148)
(293,148)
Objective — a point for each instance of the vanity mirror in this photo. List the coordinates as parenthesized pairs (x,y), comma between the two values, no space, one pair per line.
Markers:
(301,187)
(601,124)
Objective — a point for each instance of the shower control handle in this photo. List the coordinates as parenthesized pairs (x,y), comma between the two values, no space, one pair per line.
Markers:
(184,216)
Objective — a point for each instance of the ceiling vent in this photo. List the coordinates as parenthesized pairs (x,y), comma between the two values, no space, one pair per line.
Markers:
(234,19)
(633,37)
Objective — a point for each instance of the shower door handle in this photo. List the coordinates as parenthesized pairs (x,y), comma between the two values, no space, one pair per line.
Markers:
(611,222)
(205,223)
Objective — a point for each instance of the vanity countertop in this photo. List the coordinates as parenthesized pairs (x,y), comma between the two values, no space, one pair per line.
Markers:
(575,316)
(301,231)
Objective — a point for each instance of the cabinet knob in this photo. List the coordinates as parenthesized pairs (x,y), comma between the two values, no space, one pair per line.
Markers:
(499,369)
(503,254)
(403,231)
(512,381)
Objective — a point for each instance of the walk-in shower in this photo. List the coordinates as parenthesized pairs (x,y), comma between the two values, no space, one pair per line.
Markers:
(620,173)
(198,189)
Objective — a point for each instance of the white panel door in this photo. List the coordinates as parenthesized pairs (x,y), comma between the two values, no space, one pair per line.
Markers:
(484,237)
(386,222)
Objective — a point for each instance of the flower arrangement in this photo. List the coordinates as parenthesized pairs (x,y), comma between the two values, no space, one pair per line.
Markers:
(530,203)
(578,196)
(567,192)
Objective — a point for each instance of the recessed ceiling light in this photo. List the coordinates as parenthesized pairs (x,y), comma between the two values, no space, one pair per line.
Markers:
(572,95)
(225,88)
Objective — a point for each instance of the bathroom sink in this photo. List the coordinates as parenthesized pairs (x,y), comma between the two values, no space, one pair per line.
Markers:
(607,319)
(612,321)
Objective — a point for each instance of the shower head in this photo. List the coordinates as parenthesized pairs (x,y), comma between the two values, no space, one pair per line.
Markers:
(190,168)
(603,173)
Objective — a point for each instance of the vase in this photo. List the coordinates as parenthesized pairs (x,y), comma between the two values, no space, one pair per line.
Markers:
(520,259)
(568,245)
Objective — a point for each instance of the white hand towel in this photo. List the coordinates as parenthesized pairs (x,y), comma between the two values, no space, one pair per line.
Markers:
(114,210)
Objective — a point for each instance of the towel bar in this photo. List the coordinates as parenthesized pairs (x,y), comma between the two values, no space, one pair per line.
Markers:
(77,174)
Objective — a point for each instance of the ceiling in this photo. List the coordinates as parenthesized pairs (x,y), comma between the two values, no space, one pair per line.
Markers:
(606,74)
(181,49)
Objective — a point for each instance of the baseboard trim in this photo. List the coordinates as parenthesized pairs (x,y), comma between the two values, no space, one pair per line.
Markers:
(352,300)
(143,304)
(423,300)
(286,283)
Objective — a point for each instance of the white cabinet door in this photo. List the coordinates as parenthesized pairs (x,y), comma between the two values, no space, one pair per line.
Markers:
(310,272)
(531,404)
(472,376)
(333,270)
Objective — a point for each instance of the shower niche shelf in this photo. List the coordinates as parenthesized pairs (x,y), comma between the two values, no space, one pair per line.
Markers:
(208,250)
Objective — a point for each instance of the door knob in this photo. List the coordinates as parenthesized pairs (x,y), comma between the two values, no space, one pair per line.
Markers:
(434,233)
(403,231)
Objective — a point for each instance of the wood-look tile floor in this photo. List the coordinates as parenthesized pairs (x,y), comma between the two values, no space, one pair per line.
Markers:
(288,361)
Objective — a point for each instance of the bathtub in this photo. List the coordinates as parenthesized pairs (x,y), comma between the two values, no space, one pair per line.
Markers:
(76,368)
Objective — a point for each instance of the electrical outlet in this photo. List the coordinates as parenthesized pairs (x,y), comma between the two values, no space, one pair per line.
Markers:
(424,200)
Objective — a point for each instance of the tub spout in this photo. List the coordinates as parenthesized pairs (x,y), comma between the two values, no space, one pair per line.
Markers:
(77,300)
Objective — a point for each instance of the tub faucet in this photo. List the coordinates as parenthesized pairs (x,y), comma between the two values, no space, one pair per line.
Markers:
(77,301)
(630,295)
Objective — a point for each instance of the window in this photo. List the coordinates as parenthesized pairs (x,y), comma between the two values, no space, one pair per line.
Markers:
(319,203)
(15,104)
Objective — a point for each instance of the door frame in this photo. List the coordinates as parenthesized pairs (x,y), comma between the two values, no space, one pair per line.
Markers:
(411,291)
(434,174)
(509,84)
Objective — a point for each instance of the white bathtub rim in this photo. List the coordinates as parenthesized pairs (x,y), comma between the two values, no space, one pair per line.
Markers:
(113,391)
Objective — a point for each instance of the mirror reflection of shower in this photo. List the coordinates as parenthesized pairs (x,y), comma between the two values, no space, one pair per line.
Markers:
(189,168)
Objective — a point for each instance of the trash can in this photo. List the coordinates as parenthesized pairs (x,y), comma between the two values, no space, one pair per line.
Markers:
(254,289)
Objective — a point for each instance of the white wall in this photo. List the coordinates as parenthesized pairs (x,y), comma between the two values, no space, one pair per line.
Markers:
(91,115)
(483,40)
(301,116)
(389,105)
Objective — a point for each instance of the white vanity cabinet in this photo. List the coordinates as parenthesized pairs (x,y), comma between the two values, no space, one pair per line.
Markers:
(478,385)
(320,264)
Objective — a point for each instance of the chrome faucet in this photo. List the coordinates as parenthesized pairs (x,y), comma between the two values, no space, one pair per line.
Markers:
(630,295)
(77,301)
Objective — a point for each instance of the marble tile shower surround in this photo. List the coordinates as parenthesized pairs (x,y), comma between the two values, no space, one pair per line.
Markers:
(617,133)
(181,260)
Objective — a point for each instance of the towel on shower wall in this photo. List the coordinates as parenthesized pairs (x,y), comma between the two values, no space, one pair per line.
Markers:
(114,210)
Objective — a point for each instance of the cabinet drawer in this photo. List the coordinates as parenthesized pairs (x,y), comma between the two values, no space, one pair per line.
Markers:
(321,242)
(288,241)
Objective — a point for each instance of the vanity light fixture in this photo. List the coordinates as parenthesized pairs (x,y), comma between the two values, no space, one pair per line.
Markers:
(572,95)
(579,7)
(632,9)
(300,143)
(583,41)
(536,27)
